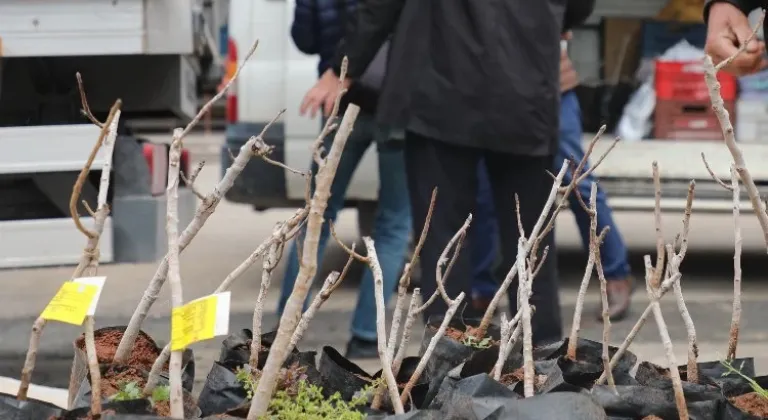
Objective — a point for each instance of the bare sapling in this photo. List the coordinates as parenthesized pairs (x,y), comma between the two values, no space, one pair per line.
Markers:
(733,187)
(308,265)
(282,233)
(674,373)
(174,268)
(509,332)
(668,284)
(545,223)
(606,356)
(269,265)
(442,270)
(660,251)
(405,280)
(523,292)
(332,282)
(674,259)
(255,146)
(90,255)
(733,335)
(381,325)
(713,85)
(574,337)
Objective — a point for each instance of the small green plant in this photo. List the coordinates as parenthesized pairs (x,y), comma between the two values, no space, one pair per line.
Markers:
(244,376)
(310,404)
(131,390)
(755,386)
(160,393)
(470,341)
(128,391)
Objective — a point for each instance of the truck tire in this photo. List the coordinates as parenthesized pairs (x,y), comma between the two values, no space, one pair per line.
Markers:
(131,172)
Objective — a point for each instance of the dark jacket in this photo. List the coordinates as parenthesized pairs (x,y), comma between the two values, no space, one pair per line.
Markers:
(746,6)
(318,27)
(472,73)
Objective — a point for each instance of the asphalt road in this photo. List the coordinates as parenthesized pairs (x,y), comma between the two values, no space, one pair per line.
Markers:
(234,231)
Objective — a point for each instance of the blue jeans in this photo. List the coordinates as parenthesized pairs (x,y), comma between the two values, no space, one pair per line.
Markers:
(391,228)
(613,252)
(484,237)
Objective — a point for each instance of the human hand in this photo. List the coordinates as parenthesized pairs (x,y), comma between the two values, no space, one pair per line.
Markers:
(567,36)
(323,94)
(727,30)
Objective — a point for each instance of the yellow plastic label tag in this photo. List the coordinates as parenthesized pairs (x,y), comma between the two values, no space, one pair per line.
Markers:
(200,319)
(71,303)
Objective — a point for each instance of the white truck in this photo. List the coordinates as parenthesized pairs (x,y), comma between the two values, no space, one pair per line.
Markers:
(280,75)
(153,55)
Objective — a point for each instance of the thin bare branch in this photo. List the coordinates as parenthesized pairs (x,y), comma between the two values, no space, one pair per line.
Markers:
(733,335)
(350,251)
(84,101)
(712,174)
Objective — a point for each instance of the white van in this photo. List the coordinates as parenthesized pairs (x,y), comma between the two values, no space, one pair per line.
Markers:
(278,76)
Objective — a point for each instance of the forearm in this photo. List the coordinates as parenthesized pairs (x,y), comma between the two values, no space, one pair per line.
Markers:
(745,6)
(374,22)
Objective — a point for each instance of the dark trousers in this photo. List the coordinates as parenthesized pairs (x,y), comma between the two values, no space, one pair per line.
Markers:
(453,170)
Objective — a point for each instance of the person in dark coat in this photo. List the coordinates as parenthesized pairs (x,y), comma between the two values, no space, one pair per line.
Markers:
(728,29)
(317,28)
(469,80)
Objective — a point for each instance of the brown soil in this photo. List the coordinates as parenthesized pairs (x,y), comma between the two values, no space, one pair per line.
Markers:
(459,335)
(163,408)
(113,378)
(751,403)
(652,417)
(512,377)
(143,355)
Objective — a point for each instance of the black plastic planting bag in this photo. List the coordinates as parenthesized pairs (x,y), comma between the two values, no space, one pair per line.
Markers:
(13,409)
(411,415)
(637,401)
(236,348)
(483,361)
(740,389)
(418,392)
(710,373)
(222,391)
(80,372)
(587,351)
(481,398)
(83,396)
(339,374)
(122,410)
(448,353)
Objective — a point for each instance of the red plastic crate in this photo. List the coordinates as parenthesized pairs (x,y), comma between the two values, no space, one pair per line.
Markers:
(684,80)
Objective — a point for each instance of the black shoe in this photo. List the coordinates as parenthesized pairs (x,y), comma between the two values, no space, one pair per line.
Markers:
(358,348)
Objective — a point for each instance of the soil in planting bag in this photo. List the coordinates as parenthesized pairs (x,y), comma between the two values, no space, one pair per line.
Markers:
(113,377)
(549,378)
(418,392)
(449,351)
(123,410)
(742,402)
(710,373)
(145,352)
(30,409)
(637,401)
(222,390)
(339,374)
